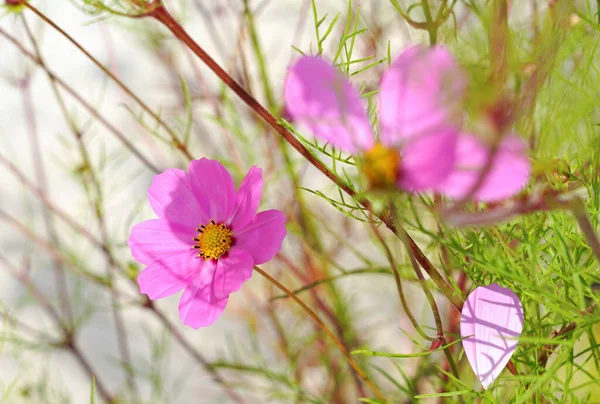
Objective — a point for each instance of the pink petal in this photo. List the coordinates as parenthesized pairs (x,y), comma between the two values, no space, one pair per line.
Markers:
(320,97)
(199,307)
(155,239)
(419,94)
(171,197)
(170,274)
(509,173)
(233,269)
(263,235)
(214,188)
(247,198)
(427,161)
(491,323)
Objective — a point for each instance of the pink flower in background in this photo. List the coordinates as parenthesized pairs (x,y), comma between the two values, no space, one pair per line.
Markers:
(490,323)
(206,240)
(508,175)
(421,146)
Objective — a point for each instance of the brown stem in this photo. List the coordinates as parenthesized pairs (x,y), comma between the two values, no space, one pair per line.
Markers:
(35,292)
(48,204)
(162,15)
(548,349)
(398,281)
(326,310)
(441,339)
(42,337)
(577,208)
(195,354)
(38,162)
(499,38)
(67,334)
(90,108)
(453,329)
(158,11)
(90,372)
(179,146)
(172,329)
(326,329)
(120,328)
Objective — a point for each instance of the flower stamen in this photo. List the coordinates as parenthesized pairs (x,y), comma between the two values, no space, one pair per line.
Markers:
(380,166)
(213,240)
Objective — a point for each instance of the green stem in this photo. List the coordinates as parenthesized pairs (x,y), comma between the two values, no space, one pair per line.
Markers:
(162,15)
(431,24)
(305,222)
(398,281)
(327,331)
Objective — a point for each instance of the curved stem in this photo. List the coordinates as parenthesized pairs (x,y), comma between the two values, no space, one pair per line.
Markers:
(178,144)
(398,281)
(90,108)
(431,24)
(326,329)
(162,15)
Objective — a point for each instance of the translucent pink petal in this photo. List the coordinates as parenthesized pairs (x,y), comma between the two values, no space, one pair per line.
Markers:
(199,307)
(247,198)
(214,188)
(421,93)
(509,173)
(263,235)
(491,323)
(171,198)
(428,160)
(170,274)
(320,97)
(154,239)
(233,270)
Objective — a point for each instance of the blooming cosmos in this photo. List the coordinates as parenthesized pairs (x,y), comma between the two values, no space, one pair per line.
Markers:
(490,323)
(206,240)
(420,145)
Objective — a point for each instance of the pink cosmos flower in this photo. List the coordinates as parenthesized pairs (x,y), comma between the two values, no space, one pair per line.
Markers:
(490,323)
(206,240)
(420,145)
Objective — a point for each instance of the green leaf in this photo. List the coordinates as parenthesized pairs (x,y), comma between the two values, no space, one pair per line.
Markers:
(447,394)
(413,355)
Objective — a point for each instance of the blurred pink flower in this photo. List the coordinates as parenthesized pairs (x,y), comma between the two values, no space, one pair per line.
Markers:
(490,323)
(421,146)
(206,240)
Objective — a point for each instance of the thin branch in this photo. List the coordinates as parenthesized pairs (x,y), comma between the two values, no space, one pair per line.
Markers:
(398,281)
(179,146)
(158,11)
(38,162)
(91,109)
(324,327)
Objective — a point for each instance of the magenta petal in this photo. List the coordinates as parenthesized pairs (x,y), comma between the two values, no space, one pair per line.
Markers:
(428,160)
(233,270)
(214,188)
(509,173)
(199,307)
(491,323)
(247,198)
(172,198)
(320,97)
(169,274)
(155,239)
(419,94)
(263,235)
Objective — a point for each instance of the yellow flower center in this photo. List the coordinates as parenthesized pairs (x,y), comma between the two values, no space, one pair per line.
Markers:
(380,166)
(213,240)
